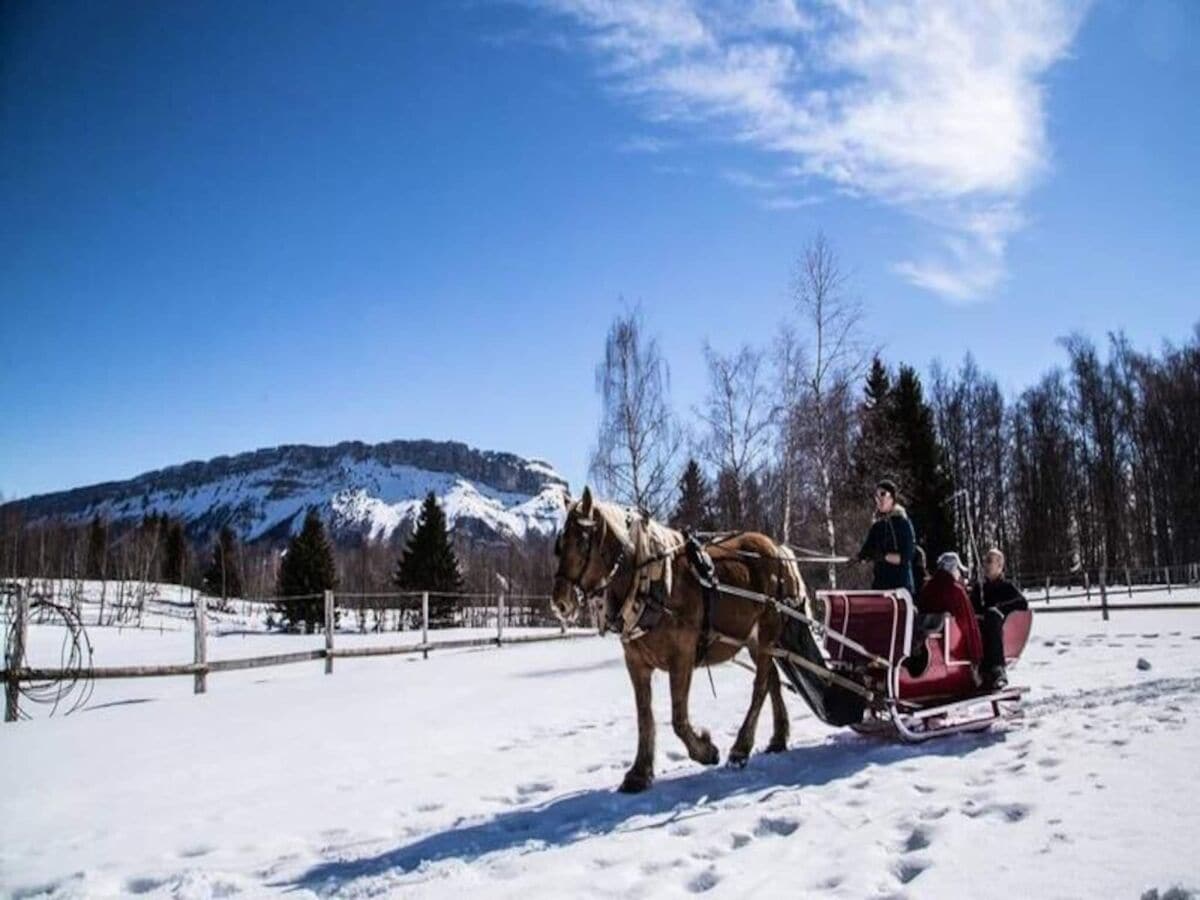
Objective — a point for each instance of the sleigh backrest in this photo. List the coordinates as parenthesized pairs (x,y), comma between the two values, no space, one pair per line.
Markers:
(870,624)
(1016,632)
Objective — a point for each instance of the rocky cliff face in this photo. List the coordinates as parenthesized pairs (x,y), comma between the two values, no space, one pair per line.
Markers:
(361,489)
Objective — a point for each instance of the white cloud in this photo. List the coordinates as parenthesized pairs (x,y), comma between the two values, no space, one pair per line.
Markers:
(644,143)
(932,107)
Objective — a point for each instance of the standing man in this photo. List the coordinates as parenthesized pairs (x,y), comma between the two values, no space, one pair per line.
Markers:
(889,544)
(993,602)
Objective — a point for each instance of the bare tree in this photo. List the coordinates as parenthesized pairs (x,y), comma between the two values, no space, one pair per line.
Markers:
(638,440)
(737,413)
(785,417)
(835,358)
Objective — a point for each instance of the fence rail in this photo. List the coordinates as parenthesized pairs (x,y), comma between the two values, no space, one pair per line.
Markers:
(16,672)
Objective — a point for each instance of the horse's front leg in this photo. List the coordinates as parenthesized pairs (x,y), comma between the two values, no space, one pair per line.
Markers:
(699,745)
(745,739)
(641,773)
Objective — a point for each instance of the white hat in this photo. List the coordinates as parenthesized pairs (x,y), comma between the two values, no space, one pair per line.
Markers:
(950,562)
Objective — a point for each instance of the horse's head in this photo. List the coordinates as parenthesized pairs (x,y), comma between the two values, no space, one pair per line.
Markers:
(587,551)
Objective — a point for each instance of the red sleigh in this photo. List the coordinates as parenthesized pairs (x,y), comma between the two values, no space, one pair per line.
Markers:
(888,670)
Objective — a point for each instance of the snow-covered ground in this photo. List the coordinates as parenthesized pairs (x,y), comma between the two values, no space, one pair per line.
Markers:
(492,773)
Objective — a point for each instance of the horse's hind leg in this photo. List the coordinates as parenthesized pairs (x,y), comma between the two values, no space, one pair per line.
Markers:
(699,746)
(641,773)
(779,737)
(764,667)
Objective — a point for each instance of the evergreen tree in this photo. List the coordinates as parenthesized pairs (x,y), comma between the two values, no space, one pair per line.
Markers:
(429,563)
(97,552)
(920,466)
(307,571)
(754,514)
(175,555)
(694,509)
(727,504)
(875,450)
(223,577)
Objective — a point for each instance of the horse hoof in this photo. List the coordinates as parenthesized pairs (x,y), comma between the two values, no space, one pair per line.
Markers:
(737,760)
(635,782)
(776,746)
(709,756)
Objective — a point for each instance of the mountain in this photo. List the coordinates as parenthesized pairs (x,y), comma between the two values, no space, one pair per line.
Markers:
(360,489)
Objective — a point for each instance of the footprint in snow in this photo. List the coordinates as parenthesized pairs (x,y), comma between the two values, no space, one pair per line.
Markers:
(144,884)
(909,869)
(739,839)
(534,787)
(918,839)
(1006,812)
(782,826)
(704,881)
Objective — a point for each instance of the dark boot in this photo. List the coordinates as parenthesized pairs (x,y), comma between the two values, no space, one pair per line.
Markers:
(995,679)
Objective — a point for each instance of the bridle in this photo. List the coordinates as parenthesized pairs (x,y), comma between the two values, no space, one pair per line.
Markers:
(589,529)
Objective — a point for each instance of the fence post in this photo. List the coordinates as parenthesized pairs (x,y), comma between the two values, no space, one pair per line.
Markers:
(200,603)
(500,618)
(1167,577)
(1047,589)
(1128,582)
(329,632)
(1087,585)
(14,655)
(425,624)
(1104,593)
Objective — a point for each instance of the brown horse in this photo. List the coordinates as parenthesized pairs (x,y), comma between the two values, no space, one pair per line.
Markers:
(605,551)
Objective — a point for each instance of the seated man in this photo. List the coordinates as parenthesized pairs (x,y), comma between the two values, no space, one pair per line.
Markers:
(997,598)
(944,593)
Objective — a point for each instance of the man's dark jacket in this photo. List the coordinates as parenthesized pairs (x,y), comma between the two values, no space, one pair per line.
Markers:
(892,533)
(1000,593)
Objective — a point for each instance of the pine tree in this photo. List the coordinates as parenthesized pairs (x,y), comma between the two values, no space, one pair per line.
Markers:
(97,552)
(694,509)
(919,464)
(307,571)
(175,553)
(429,563)
(875,450)
(223,577)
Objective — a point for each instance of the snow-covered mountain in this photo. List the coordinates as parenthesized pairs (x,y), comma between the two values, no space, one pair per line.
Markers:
(370,489)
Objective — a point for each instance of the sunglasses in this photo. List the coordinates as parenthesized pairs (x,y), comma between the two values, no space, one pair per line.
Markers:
(879,494)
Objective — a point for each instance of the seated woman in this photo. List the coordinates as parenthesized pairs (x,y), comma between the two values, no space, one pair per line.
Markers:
(944,593)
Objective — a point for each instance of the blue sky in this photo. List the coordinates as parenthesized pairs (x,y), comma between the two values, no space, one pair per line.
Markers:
(233,225)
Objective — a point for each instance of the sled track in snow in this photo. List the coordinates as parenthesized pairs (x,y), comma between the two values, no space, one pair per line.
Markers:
(1091,698)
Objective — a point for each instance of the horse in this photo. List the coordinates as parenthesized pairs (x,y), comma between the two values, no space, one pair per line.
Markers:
(640,571)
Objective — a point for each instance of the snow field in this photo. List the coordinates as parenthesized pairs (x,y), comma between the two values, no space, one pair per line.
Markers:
(491,773)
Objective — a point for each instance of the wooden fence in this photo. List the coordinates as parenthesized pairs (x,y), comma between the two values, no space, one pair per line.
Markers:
(15,671)
(1104,586)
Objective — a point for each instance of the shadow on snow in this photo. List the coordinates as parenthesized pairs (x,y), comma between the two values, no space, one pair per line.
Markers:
(575,817)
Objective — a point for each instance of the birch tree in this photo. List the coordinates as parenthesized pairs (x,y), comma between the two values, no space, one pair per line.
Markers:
(835,358)
(638,441)
(737,416)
